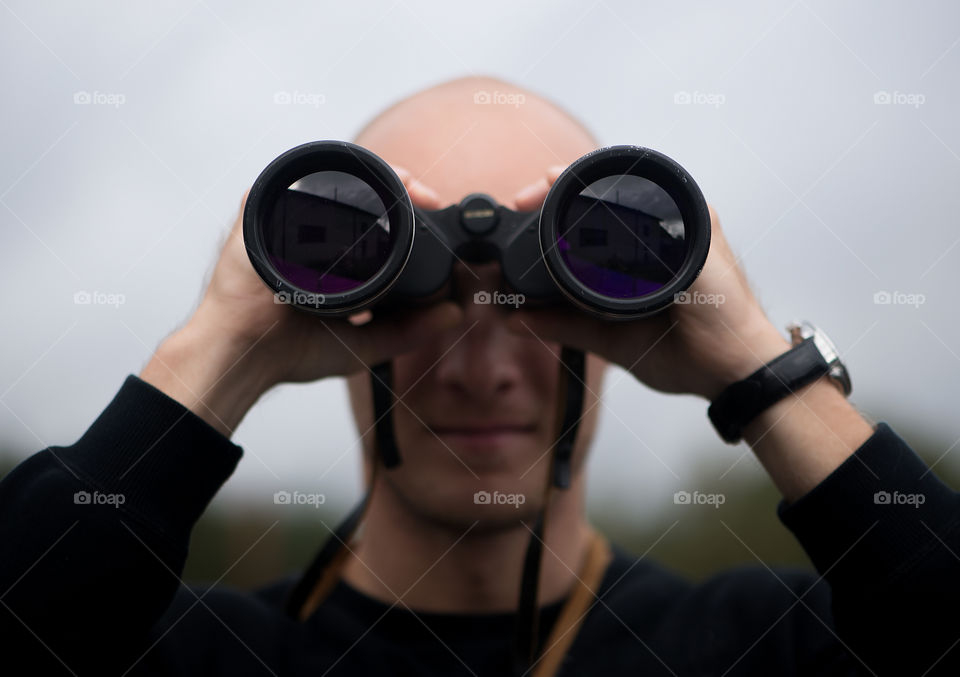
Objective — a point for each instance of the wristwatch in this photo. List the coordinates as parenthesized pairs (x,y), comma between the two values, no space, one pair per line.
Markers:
(813,355)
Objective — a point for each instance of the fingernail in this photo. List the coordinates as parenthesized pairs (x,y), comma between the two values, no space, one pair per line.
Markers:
(427,191)
(531,191)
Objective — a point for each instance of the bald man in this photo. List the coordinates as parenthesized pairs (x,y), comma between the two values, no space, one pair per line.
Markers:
(92,565)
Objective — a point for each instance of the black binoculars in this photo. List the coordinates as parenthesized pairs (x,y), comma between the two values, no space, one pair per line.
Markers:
(331,229)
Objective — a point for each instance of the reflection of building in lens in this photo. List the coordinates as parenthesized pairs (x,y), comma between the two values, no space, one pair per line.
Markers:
(618,250)
(323,244)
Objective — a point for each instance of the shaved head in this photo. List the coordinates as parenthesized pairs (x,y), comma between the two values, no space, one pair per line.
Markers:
(476,134)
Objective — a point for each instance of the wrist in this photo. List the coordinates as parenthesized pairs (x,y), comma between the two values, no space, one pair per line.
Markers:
(804,437)
(749,349)
(212,374)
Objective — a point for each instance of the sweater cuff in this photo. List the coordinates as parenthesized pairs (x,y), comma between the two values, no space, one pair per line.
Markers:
(875,516)
(165,461)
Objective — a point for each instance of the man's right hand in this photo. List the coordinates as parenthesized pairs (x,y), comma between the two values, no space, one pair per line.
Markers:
(240,342)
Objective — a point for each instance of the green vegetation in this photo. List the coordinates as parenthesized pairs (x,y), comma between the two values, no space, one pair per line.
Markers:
(695,540)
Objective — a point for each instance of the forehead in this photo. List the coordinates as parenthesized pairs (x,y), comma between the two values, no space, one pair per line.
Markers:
(456,146)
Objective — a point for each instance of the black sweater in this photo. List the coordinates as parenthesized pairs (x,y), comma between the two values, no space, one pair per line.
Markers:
(94,588)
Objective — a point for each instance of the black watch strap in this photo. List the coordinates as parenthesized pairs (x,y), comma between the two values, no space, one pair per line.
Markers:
(741,402)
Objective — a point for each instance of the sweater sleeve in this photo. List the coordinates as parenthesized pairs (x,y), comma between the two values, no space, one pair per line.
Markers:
(884,532)
(95,535)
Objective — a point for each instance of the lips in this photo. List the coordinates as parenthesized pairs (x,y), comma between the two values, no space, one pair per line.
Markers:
(483,429)
(484,434)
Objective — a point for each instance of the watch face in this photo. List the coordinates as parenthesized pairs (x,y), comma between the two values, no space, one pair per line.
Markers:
(838,371)
(826,347)
(800,330)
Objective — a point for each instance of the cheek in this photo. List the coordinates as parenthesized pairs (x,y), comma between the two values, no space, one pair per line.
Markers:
(544,376)
(409,367)
(595,373)
(412,382)
(541,368)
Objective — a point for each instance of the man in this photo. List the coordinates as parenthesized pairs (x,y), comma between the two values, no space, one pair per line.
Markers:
(430,587)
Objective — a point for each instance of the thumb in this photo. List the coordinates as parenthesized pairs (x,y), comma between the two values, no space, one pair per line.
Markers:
(567,327)
(391,334)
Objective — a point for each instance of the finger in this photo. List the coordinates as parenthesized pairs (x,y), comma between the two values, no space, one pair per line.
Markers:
(360,318)
(554,172)
(622,343)
(420,194)
(234,235)
(567,327)
(390,334)
(531,197)
(238,223)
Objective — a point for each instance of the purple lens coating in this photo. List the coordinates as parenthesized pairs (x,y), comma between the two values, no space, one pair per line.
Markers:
(327,233)
(622,237)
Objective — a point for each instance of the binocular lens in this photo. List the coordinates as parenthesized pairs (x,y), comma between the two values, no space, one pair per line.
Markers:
(622,236)
(327,233)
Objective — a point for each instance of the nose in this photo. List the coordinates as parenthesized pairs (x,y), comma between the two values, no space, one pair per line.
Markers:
(482,363)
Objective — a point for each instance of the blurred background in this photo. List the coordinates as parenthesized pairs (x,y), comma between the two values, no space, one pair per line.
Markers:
(824,133)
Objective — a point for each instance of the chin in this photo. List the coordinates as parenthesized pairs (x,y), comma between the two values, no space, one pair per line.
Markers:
(496,500)
(458,482)
(481,517)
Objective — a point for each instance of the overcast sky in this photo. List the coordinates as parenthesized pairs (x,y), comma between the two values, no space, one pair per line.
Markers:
(824,133)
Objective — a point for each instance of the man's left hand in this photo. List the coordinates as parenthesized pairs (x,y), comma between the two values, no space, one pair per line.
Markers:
(720,336)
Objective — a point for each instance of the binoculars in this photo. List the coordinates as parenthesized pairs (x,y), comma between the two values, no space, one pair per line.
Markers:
(331,229)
